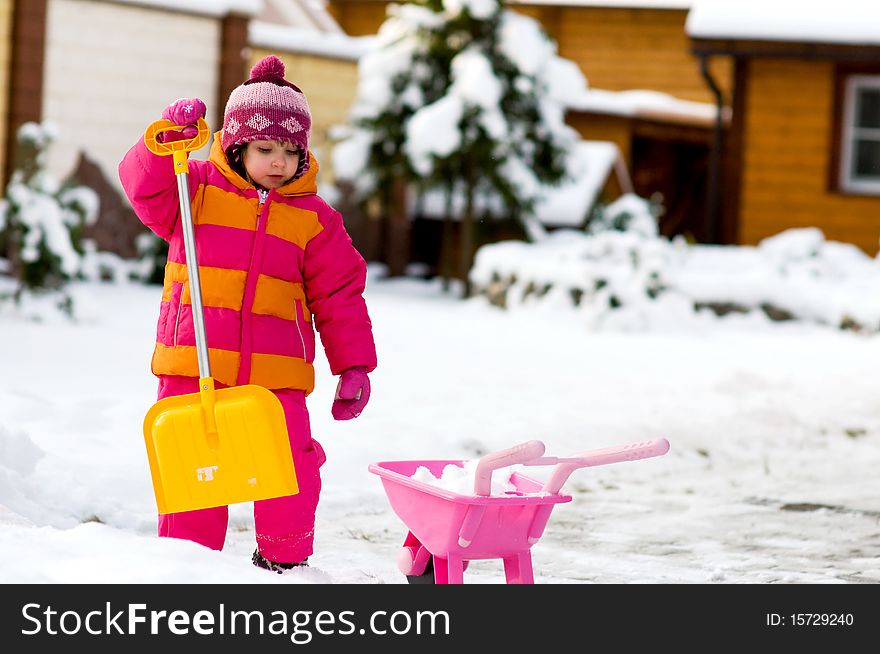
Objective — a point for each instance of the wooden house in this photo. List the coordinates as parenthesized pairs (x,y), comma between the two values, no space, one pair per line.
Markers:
(740,133)
(803,147)
(101,70)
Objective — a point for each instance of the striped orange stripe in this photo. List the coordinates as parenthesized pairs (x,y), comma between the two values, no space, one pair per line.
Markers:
(221,287)
(269,370)
(276,297)
(183,360)
(276,371)
(298,226)
(238,211)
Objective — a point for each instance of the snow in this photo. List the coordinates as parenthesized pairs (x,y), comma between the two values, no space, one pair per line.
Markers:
(460,478)
(479,9)
(45,211)
(774,426)
(844,22)
(645,4)
(439,119)
(589,167)
(312,14)
(774,430)
(528,48)
(567,204)
(630,279)
(307,41)
(206,7)
(650,105)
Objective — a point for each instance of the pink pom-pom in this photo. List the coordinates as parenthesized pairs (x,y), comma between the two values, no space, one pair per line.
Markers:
(270,66)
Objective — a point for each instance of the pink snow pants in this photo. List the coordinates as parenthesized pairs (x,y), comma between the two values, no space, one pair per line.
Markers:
(284,525)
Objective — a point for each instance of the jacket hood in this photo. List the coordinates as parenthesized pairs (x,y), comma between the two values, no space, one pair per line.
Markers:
(305,185)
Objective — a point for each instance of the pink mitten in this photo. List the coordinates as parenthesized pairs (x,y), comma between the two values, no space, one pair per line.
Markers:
(185,111)
(352,394)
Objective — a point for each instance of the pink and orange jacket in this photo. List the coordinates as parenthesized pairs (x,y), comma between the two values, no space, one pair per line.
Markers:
(270,273)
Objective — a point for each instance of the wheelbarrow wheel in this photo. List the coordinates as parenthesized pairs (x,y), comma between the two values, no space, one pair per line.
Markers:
(427,577)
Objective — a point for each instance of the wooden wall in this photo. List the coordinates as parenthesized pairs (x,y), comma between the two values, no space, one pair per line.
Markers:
(787,145)
(111,69)
(25,74)
(358,17)
(5,60)
(619,48)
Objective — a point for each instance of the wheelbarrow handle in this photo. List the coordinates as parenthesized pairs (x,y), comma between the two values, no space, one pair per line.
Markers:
(511,456)
(626,452)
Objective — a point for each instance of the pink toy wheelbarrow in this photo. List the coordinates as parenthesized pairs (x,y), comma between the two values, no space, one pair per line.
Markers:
(447,529)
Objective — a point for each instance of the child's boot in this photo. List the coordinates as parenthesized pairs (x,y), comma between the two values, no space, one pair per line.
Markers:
(276,566)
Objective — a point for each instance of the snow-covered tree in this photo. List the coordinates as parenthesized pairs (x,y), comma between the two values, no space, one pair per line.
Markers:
(41,220)
(462,97)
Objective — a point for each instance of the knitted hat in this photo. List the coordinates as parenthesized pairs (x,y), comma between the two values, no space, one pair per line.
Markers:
(267,107)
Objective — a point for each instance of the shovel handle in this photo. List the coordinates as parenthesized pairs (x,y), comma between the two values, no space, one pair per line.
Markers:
(177,149)
(180,151)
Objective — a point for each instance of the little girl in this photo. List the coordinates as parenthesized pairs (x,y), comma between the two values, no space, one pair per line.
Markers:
(276,264)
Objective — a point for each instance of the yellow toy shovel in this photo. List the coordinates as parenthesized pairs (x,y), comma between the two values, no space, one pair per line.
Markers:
(214,447)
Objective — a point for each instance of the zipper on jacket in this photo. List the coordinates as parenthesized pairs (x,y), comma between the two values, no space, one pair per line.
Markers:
(246,349)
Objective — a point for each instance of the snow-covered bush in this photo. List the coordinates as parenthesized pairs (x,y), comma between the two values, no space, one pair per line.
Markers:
(634,278)
(42,221)
(152,256)
(795,274)
(100,266)
(620,266)
(628,213)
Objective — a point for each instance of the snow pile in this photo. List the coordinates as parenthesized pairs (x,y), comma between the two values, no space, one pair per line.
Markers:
(623,275)
(844,21)
(794,274)
(460,478)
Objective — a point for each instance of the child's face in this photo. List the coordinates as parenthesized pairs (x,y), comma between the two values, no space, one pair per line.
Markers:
(270,164)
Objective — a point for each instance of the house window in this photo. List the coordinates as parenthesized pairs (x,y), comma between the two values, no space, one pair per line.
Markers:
(860,160)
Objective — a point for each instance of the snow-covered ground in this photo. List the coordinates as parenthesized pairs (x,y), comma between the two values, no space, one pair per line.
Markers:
(771,476)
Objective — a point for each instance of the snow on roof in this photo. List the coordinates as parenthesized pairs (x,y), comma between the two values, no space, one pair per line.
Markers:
(647,4)
(853,22)
(299,13)
(652,105)
(207,7)
(308,41)
(570,203)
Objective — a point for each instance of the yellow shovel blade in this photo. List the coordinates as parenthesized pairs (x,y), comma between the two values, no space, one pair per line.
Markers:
(247,458)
